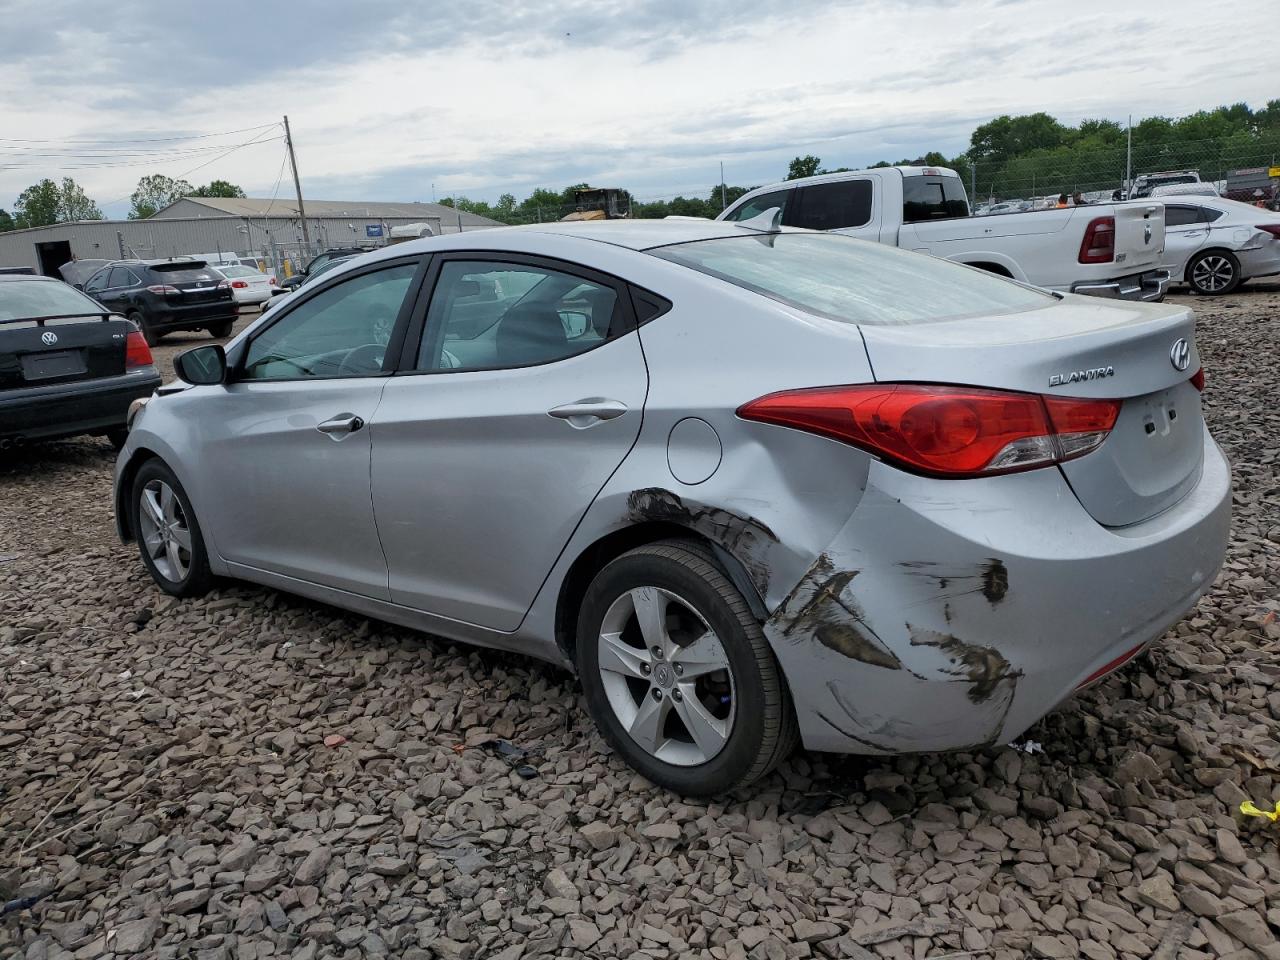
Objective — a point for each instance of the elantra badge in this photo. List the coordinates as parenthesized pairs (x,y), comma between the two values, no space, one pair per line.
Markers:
(1180,354)
(1079,376)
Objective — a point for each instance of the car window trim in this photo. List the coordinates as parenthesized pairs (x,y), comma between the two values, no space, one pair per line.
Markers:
(422,262)
(408,361)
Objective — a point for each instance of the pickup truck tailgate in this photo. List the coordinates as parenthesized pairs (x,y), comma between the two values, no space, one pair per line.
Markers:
(1139,235)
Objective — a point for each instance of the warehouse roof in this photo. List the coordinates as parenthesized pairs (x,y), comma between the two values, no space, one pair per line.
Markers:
(266,207)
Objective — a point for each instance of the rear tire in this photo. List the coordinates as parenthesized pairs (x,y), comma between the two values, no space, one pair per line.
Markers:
(713,711)
(167,532)
(148,334)
(220,331)
(1213,273)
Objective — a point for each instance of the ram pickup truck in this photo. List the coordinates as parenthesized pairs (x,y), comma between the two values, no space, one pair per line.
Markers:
(1107,250)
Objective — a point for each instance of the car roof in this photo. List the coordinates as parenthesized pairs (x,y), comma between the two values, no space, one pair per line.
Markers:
(638,234)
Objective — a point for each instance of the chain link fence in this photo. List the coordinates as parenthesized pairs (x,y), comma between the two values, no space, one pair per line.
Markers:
(1240,167)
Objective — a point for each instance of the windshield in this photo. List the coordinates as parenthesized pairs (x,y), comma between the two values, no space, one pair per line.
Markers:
(855,281)
(22,299)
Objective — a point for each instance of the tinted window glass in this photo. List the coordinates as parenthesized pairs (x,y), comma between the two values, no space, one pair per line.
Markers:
(758,205)
(36,298)
(830,206)
(1208,214)
(341,332)
(493,315)
(933,198)
(120,277)
(182,272)
(1180,216)
(851,280)
(97,282)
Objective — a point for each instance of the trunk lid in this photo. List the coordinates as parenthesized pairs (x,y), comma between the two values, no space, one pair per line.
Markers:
(1139,235)
(195,283)
(1079,347)
(61,350)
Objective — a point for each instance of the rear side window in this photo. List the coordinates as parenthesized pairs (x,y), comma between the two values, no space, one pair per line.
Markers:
(121,277)
(1181,216)
(933,198)
(1209,214)
(831,206)
(854,281)
(758,205)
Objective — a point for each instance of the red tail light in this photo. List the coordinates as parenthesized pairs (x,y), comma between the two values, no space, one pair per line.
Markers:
(162,288)
(271,280)
(1197,379)
(136,351)
(1271,228)
(945,431)
(239,284)
(1099,243)
(224,284)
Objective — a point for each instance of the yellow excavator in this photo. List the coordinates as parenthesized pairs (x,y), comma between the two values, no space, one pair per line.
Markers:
(600,203)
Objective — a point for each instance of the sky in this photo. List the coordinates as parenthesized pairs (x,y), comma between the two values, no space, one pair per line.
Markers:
(415,101)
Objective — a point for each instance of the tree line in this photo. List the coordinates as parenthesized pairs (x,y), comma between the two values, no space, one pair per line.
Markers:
(1007,155)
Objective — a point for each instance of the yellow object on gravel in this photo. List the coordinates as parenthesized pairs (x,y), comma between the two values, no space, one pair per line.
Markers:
(1249,810)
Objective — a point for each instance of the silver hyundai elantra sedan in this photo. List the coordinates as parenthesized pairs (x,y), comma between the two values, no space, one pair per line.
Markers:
(755,485)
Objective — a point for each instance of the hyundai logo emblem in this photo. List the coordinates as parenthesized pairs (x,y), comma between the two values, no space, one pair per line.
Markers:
(1180,354)
(48,338)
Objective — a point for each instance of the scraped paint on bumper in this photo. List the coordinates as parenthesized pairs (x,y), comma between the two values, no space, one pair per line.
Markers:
(950,616)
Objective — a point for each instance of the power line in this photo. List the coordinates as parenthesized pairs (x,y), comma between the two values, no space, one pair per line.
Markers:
(147,161)
(192,136)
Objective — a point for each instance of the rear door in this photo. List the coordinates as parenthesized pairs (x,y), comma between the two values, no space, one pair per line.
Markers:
(523,396)
(1185,232)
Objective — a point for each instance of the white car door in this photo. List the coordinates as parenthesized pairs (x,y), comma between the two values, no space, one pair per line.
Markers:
(1185,232)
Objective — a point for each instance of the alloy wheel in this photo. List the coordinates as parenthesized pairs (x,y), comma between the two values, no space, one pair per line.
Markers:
(666,676)
(1213,273)
(165,531)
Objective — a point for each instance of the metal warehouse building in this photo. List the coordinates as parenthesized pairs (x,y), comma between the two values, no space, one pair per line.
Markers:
(267,229)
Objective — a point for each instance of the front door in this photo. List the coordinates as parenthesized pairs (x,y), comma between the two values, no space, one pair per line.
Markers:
(1185,232)
(287,443)
(526,394)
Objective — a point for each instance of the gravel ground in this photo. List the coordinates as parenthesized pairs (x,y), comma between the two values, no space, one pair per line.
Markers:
(253,775)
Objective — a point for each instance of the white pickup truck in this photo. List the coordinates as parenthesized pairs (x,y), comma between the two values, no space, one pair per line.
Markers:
(1107,250)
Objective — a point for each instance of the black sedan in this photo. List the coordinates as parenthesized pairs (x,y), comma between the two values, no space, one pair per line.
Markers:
(67,366)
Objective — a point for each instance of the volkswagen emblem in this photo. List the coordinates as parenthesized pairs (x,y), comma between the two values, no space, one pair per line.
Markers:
(1180,354)
(48,338)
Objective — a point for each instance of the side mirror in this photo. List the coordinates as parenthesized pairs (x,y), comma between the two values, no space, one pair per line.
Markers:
(202,366)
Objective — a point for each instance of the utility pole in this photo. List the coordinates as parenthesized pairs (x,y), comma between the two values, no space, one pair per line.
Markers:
(723,202)
(1128,162)
(297,184)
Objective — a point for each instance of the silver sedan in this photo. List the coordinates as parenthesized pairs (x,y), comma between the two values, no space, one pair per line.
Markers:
(755,485)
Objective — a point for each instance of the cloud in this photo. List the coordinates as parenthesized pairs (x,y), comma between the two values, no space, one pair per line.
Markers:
(485,97)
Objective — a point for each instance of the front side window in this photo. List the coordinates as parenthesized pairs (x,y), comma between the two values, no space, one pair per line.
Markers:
(933,198)
(340,332)
(98,281)
(854,281)
(487,315)
(758,205)
(832,206)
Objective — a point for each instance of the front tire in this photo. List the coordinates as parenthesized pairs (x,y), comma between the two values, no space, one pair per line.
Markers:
(168,535)
(677,673)
(1213,273)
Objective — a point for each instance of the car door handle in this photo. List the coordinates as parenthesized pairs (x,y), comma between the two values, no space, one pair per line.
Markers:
(339,426)
(588,411)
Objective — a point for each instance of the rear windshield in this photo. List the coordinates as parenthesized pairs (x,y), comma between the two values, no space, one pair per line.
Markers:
(933,198)
(183,272)
(856,281)
(23,299)
(230,271)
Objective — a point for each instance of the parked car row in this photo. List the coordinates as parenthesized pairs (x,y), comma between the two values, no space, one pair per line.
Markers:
(757,485)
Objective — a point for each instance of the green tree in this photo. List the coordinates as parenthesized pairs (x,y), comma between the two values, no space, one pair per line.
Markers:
(155,192)
(806,166)
(1007,136)
(217,188)
(37,205)
(74,204)
(6,222)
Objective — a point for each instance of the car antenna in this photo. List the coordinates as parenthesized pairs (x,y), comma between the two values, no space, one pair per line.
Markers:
(768,221)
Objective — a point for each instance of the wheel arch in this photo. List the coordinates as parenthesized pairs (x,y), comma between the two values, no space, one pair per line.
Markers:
(124,520)
(594,557)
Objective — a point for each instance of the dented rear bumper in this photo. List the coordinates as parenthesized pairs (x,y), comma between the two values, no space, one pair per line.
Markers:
(950,615)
